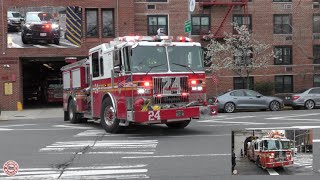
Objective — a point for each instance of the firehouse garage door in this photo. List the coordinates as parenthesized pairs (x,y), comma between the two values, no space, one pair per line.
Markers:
(42,81)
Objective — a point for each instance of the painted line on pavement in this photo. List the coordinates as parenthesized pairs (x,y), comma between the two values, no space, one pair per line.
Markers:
(291,127)
(316,140)
(228,118)
(231,122)
(173,156)
(284,117)
(17,125)
(272,172)
(5,129)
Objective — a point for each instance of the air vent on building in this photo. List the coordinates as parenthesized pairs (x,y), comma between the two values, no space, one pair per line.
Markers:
(288,38)
(288,69)
(287,6)
(151,6)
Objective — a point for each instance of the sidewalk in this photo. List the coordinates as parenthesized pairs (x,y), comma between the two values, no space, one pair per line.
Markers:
(32,114)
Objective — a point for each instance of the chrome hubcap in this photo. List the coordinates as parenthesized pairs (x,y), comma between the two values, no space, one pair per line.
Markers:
(109,115)
(275,106)
(309,105)
(70,113)
(229,107)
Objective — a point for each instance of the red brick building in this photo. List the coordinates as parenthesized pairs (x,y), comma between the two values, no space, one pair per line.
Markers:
(291,26)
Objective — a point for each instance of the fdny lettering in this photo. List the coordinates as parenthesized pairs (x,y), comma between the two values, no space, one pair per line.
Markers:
(153,115)
(171,86)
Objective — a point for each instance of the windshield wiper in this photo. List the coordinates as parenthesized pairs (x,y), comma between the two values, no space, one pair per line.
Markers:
(182,65)
(151,67)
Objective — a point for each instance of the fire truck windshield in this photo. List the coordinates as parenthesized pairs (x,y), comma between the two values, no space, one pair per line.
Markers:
(276,145)
(181,57)
(154,59)
(149,59)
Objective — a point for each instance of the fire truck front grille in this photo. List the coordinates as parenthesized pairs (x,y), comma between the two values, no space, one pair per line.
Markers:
(280,156)
(170,85)
(170,99)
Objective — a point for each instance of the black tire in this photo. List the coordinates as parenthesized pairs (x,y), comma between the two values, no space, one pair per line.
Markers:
(56,41)
(24,40)
(108,118)
(72,113)
(274,106)
(309,104)
(258,162)
(178,125)
(66,116)
(229,107)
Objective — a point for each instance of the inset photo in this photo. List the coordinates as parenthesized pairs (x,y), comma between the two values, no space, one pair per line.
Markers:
(44,27)
(272,152)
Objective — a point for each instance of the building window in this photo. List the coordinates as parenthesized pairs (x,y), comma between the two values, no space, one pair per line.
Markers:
(316,54)
(316,23)
(107,23)
(241,19)
(241,83)
(155,22)
(282,24)
(243,57)
(200,24)
(283,55)
(284,84)
(92,23)
(316,80)
(282,0)
(157,0)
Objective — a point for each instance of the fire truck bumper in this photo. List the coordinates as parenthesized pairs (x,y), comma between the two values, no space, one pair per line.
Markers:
(279,164)
(176,114)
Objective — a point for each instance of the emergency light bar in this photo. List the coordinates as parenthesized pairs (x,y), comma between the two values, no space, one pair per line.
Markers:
(134,38)
(184,39)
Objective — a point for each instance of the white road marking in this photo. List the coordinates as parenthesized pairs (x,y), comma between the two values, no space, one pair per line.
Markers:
(94,172)
(17,125)
(5,129)
(57,46)
(227,118)
(173,156)
(302,115)
(39,46)
(316,140)
(272,172)
(69,44)
(232,122)
(112,144)
(290,127)
(72,127)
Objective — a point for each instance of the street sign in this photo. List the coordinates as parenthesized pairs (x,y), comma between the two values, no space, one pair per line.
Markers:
(192,5)
(187,26)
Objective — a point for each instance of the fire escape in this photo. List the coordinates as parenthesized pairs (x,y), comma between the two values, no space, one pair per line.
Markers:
(218,31)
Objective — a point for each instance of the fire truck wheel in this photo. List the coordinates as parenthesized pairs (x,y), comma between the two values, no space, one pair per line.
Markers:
(229,107)
(73,116)
(109,121)
(178,125)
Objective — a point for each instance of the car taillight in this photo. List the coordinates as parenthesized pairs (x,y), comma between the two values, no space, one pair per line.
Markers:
(295,97)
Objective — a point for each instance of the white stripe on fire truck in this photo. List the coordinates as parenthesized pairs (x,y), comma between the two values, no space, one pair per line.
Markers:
(94,172)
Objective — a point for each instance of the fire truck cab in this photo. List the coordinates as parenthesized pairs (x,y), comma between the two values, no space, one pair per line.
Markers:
(138,79)
(270,151)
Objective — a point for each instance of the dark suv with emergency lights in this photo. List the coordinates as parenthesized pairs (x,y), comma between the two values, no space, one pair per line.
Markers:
(40,26)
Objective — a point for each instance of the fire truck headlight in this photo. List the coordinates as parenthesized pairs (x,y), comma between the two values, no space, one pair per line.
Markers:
(200,88)
(55,26)
(141,90)
(196,88)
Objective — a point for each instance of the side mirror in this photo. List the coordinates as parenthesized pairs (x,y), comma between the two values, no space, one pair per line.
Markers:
(117,69)
(259,96)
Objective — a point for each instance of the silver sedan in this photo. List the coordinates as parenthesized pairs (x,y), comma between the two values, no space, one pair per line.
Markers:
(308,99)
(247,99)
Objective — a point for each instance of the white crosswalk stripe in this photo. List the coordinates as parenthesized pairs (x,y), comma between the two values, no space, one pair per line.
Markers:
(39,46)
(126,171)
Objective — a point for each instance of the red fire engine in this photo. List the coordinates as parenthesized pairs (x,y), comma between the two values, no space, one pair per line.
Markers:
(138,79)
(270,151)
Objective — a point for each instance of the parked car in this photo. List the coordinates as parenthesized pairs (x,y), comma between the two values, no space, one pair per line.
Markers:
(247,99)
(14,21)
(40,26)
(309,98)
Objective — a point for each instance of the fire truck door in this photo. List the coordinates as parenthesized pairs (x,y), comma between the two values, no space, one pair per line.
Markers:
(97,72)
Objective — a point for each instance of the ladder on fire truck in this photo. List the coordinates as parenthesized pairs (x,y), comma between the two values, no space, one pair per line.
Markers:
(218,32)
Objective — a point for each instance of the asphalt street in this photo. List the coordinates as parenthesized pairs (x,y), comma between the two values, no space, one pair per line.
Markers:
(14,41)
(50,148)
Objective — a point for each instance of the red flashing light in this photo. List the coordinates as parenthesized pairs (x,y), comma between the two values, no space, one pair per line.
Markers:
(295,98)
(193,82)
(146,84)
(159,95)
(184,94)
(47,26)
(184,39)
